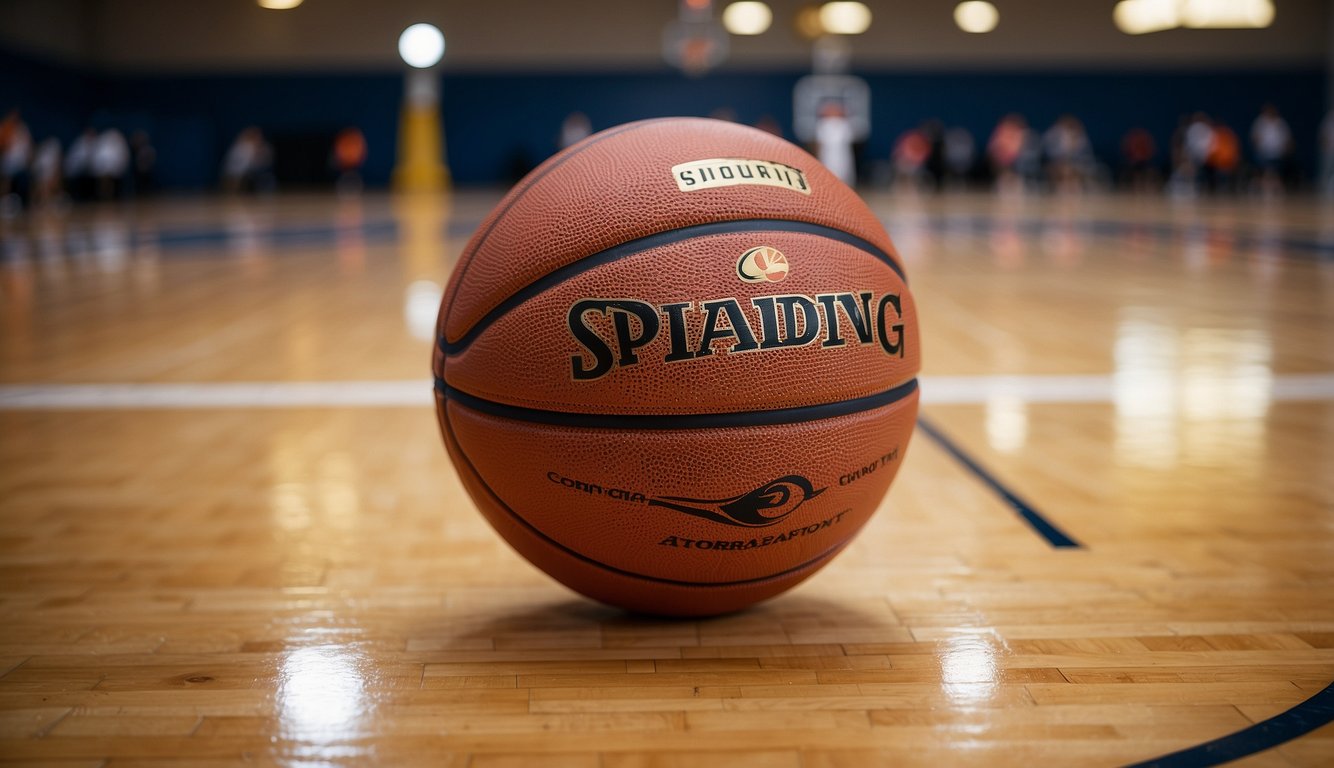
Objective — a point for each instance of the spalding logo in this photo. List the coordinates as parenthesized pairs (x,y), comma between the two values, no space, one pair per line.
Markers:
(763,506)
(762,264)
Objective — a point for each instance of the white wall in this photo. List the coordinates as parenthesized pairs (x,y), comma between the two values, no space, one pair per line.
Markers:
(232,35)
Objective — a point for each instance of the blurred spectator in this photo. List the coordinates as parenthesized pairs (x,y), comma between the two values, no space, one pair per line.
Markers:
(1029,163)
(110,162)
(1272,141)
(248,166)
(768,124)
(1327,154)
(833,138)
(911,151)
(15,155)
(1137,153)
(1069,157)
(959,153)
(1196,141)
(1005,149)
(574,129)
(143,160)
(46,173)
(349,155)
(934,131)
(1223,160)
(79,165)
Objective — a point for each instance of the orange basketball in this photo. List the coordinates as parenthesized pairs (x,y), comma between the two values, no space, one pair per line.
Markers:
(677,366)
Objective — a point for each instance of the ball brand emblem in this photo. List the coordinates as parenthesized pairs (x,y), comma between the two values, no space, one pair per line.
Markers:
(762,264)
(766,505)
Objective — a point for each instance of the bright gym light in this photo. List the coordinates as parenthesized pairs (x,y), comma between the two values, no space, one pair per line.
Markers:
(843,18)
(1227,14)
(278,5)
(1138,17)
(976,16)
(421,45)
(747,18)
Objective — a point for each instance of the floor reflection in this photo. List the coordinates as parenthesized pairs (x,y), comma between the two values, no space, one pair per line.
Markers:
(969,675)
(1197,396)
(323,704)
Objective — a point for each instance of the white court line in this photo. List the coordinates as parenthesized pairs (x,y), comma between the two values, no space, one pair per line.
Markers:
(937,390)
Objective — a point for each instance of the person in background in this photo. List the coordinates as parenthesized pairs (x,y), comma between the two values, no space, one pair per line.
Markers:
(46,173)
(1223,160)
(349,155)
(1069,158)
(960,153)
(110,162)
(1271,140)
(1327,155)
(1196,140)
(1137,153)
(911,152)
(934,131)
(248,166)
(15,155)
(575,128)
(833,139)
(79,166)
(769,125)
(143,162)
(1004,150)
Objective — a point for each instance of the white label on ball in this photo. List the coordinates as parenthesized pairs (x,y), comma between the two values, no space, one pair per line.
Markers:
(732,171)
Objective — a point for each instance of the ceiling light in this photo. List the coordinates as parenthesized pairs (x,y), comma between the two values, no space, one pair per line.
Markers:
(844,18)
(976,16)
(747,18)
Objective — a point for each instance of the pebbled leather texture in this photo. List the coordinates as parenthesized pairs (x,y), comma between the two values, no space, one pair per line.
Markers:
(671,521)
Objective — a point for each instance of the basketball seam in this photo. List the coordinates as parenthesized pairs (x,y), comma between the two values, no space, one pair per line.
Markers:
(500,503)
(538,176)
(771,417)
(655,240)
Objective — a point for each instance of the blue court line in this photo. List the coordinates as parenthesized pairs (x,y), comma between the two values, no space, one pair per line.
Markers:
(1041,525)
(291,235)
(1307,716)
(1242,240)
(175,241)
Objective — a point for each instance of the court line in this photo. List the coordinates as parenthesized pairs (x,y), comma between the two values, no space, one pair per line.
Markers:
(936,390)
(1040,524)
(1315,712)
(1247,238)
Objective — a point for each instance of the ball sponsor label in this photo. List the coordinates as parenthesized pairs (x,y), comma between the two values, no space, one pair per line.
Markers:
(733,171)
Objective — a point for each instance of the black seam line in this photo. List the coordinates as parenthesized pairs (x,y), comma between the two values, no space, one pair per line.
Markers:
(638,245)
(532,182)
(613,569)
(681,421)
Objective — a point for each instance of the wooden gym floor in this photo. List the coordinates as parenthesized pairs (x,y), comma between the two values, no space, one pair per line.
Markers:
(229,532)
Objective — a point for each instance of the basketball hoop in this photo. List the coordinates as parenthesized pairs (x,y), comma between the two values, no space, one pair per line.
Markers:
(694,46)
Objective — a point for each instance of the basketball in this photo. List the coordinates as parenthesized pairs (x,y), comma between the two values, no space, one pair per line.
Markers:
(677,366)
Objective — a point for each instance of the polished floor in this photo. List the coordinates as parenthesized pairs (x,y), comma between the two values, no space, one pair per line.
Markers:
(229,532)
